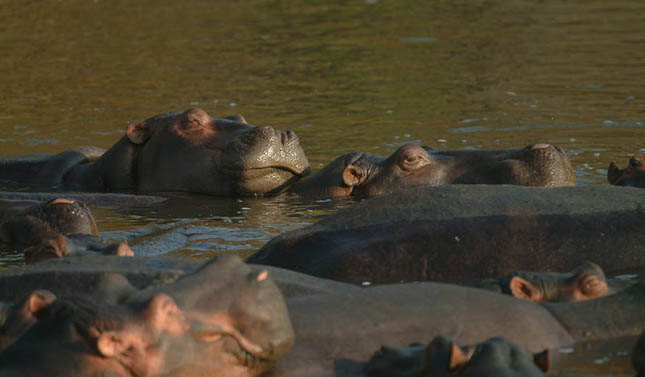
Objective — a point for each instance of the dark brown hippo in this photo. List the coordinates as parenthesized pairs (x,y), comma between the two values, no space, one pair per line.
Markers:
(633,175)
(363,175)
(174,152)
(494,357)
(24,224)
(75,245)
(463,233)
(585,282)
(338,326)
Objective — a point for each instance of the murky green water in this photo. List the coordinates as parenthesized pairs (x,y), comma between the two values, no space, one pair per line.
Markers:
(362,75)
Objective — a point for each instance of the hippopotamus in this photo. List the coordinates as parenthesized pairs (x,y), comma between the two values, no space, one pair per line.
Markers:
(338,326)
(463,233)
(442,357)
(633,175)
(75,245)
(185,151)
(225,320)
(585,282)
(28,223)
(638,356)
(363,175)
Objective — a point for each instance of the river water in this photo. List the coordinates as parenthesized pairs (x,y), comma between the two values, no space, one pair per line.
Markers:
(363,75)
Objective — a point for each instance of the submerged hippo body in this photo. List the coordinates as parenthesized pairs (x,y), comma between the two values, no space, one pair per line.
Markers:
(338,326)
(364,175)
(633,175)
(175,152)
(464,233)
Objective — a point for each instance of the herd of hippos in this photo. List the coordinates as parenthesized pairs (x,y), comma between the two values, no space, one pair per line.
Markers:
(445,274)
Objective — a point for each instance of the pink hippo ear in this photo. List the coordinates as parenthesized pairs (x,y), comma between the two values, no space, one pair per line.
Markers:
(49,249)
(543,360)
(139,133)
(353,176)
(614,173)
(37,301)
(163,315)
(524,290)
(123,250)
(458,358)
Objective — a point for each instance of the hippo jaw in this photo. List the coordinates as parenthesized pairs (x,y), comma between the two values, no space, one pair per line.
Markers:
(264,161)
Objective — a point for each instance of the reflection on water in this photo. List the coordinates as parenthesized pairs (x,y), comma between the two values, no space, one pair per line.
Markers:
(346,76)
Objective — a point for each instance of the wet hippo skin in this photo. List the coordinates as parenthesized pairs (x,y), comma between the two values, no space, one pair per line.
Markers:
(363,175)
(633,175)
(174,152)
(464,233)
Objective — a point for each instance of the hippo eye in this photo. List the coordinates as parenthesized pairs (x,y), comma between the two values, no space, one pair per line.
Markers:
(190,123)
(413,161)
(635,163)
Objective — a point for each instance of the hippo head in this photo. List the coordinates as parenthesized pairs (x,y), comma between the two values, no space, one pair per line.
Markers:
(82,337)
(542,165)
(75,245)
(238,317)
(191,152)
(495,357)
(363,175)
(47,220)
(632,175)
(585,282)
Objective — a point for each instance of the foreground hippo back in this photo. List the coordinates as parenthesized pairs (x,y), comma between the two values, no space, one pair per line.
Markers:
(178,152)
(363,175)
(460,233)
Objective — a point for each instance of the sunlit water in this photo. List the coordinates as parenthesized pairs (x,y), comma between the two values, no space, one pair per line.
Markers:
(346,76)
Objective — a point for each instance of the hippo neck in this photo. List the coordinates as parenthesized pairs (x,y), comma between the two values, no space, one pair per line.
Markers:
(114,171)
(616,315)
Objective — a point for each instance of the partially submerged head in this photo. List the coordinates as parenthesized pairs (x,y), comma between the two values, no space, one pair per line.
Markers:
(363,175)
(61,246)
(495,357)
(191,152)
(47,220)
(632,175)
(585,282)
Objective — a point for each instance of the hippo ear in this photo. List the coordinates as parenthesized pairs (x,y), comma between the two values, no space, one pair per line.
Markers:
(37,301)
(353,176)
(49,249)
(543,360)
(139,133)
(521,288)
(257,276)
(236,118)
(458,358)
(163,315)
(123,250)
(614,173)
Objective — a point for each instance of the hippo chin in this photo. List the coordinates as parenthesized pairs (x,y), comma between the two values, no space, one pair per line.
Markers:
(633,175)
(174,152)
(364,175)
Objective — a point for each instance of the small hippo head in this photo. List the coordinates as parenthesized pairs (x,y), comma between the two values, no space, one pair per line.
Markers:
(495,357)
(46,220)
(191,152)
(585,282)
(363,175)
(238,316)
(633,175)
(542,165)
(75,245)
